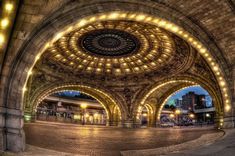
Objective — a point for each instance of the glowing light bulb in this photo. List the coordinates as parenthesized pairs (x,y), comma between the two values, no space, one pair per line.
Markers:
(30,72)
(2,39)
(9,7)
(4,23)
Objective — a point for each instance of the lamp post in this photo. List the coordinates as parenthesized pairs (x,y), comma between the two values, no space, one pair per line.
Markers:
(192,116)
(172,116)
(83,106)
(208,118)
(177,112)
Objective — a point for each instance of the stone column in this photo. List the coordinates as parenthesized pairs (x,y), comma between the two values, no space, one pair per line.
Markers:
(228,122)
(130,123)
(152,122)
(12,130)
(158,123)
(152,119)
(111,121)
(229,117)
(2,129)
(120,124)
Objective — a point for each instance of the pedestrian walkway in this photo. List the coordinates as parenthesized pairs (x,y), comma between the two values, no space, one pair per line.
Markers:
(223,147)
(37,151)
(210,144)
(204,139)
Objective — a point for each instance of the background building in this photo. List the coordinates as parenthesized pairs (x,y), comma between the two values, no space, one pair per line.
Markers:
(199,104)
(67,107)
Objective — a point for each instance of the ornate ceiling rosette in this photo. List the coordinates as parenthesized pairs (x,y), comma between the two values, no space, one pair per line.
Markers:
(109,42)
(113,48)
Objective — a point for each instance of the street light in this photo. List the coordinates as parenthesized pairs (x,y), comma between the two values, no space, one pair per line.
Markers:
(177,112)
(83,106)
(191,116)
(172,115)
(208,117)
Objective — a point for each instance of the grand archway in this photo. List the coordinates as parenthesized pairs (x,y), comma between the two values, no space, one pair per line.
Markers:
(189,106)
(125,58)
(113,110)
(157,95)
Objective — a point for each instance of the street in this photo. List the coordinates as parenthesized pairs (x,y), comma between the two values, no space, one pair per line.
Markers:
(98,140)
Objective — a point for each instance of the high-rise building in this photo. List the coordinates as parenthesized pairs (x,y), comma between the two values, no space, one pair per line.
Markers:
(192,101)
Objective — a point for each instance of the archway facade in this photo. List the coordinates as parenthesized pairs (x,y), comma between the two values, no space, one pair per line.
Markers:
(60,54)
(160,93)
(113,110)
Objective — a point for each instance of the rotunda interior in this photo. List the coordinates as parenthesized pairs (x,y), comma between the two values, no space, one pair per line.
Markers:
(130,56)
(140,62)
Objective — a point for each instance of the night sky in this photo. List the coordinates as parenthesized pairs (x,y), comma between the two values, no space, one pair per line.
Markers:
(195,89)
(177,95)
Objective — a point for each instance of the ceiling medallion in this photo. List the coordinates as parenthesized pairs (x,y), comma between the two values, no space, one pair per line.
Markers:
(113,48)
(109,42)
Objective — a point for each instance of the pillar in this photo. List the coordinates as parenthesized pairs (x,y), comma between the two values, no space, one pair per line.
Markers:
(224,121)
(228,122)
(12,134)
(152,120)
(229,117)
(2,129)
(131,123)
(111,123)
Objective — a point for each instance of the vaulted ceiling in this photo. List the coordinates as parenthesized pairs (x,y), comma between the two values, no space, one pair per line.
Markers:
(120,54)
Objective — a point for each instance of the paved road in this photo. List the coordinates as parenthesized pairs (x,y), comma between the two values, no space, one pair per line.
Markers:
(92,140)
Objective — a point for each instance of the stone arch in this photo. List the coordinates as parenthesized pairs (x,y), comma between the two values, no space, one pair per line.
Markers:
(181,82)
(165,97)
(17,70)
(151,113)
(105,99)
(162,102)
(115,116)
(45,33)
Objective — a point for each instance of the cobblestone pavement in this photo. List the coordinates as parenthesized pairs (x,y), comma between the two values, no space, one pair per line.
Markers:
(97,140)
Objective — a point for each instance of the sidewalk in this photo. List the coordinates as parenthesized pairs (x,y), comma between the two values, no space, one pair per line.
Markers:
(37,151)
(204,139)
(223,147)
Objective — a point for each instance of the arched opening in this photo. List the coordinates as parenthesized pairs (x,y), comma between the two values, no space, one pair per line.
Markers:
(161,93)
(188,106)
(145,115)
(72,107)
(44,57)
(110,108)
